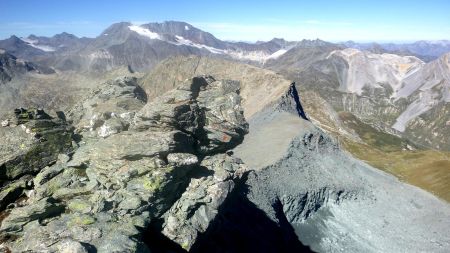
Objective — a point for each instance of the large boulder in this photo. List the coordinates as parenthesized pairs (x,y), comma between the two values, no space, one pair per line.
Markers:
(30,141)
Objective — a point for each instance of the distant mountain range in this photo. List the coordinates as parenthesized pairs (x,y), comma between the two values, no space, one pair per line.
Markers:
(143,46)
(425,50)
(10,67)
(140,47)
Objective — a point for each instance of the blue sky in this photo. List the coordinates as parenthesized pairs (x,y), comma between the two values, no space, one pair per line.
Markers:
(337,20)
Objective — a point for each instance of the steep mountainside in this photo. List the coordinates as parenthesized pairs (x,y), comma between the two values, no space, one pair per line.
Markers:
(388,91)
(11,67)
(258,89)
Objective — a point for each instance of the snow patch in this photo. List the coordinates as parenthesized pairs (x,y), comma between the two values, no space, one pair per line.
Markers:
(145,32)
(258,56)
(186,42)
(186,28)
(34,43)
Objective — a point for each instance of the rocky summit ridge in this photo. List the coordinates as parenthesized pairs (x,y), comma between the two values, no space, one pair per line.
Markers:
(206,156)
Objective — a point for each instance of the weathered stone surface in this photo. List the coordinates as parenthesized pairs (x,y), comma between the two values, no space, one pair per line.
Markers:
(31,141)
(109,109)
(200,203)
(40,210)
(13,190)
(182,159)
(128,171)
(224,120)
(71,246)
(208,109)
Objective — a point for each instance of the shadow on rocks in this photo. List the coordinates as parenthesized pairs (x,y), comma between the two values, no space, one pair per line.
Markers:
(240,226)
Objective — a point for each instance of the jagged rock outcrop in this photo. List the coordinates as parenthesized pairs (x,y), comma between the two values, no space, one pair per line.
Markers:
(31,140)
(216,128)
(109,109)
(107,193)
(198,206)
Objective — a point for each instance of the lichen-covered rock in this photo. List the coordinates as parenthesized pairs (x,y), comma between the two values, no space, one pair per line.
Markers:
(109,109)
(208,109)
(34,141)
(31,141)
(42,209)
(13,190)
(127,172)
(200,203)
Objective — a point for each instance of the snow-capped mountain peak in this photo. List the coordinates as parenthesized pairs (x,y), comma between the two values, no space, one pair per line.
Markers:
(171,33)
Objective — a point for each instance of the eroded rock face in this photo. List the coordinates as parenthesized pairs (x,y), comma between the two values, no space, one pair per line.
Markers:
(213,115)
(30,141)
(107,193)
(197,207)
